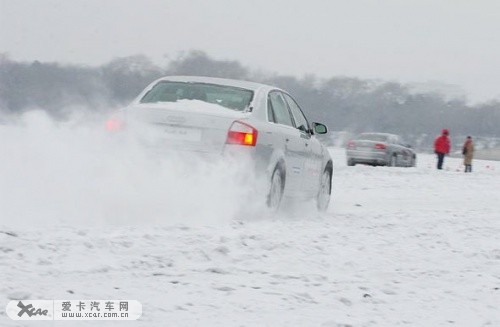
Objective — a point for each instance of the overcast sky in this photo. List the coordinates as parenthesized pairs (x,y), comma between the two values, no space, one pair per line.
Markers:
(450,41)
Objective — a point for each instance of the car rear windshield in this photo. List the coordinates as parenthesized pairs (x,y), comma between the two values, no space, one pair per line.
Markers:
(226,96)
(373,137)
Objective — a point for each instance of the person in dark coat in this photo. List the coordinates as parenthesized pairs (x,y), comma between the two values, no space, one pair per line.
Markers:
(468,152)
(442,145)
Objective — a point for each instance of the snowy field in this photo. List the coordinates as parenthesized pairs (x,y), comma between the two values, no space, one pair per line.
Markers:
(398,246)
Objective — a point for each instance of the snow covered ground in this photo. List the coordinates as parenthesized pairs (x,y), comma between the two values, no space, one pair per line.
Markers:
(398,246)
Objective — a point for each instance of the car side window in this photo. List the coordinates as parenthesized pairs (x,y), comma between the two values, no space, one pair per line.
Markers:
(300,120)
(279,109)
(270,111)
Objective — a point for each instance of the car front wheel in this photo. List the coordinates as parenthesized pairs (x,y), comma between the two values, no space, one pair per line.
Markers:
(325,190)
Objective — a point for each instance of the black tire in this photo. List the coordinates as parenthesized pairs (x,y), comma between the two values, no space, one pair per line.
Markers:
(325,191)
(276,189)
(350,162)
(393,161)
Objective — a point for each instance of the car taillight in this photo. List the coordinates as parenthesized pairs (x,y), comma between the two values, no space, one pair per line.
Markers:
(113,125)
(380,146)
(242,134)
(351,144)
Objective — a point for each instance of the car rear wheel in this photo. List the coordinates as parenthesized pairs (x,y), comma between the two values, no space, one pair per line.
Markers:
(414,162)
(325,190)
(394,161)
(350,162)
(276,190)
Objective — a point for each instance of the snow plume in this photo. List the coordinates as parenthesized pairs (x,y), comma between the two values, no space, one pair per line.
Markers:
(75,172)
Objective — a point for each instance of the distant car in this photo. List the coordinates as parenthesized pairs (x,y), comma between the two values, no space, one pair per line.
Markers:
(220,116)
(380,149)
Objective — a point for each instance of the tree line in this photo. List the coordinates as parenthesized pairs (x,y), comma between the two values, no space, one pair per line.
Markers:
(342,103)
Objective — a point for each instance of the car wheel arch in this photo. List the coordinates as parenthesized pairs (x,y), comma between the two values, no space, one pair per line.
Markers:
(277,158)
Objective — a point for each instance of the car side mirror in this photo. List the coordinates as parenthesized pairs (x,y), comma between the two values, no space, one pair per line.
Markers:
(319,128)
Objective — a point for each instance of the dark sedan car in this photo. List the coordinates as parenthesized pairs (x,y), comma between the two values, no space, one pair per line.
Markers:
(380,149)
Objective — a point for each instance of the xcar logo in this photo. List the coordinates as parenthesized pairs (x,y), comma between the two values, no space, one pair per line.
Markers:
(30,310)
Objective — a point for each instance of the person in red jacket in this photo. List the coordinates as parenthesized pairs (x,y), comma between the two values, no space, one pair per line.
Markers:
(442,147)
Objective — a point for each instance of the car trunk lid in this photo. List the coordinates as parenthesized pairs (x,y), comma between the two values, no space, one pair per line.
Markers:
(191,125)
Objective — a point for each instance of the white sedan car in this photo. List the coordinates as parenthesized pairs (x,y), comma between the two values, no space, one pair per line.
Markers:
(220,116)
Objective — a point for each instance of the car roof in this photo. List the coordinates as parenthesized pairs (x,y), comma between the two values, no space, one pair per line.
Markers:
(214,80)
